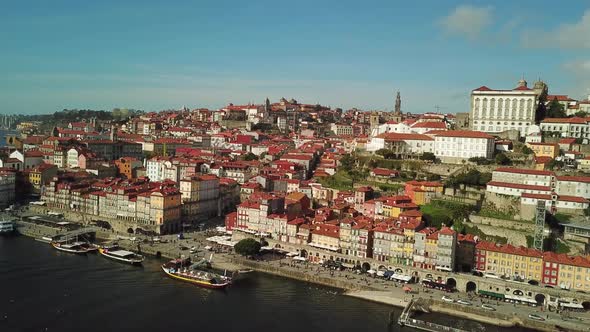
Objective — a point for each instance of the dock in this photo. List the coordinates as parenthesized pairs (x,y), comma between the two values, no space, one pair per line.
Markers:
(405,319)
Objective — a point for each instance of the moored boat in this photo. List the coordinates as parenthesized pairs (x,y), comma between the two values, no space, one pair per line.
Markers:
(177,270)
(6,227)
(74,247)
(113,252)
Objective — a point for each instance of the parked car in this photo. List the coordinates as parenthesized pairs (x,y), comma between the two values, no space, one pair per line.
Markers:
(536,317)
(447,299)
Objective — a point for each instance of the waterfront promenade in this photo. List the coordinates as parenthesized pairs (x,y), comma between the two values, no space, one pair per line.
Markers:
(359,286)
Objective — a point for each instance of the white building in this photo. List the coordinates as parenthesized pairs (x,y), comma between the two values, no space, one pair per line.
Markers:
(402,144)
(457,145)
(567,127)
(494,111)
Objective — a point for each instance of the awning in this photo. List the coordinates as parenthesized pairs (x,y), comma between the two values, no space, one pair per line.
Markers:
(321,246)
(266,248)
(299,258)
(571,305)
(348,266)
(292,254)
(520,298)
(401,277)
(491,294)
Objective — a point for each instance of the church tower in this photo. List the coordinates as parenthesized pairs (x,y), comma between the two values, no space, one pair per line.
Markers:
(398,104)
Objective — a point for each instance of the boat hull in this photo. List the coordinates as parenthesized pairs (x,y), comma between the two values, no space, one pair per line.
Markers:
(79,251)
(120,259)
(195,282)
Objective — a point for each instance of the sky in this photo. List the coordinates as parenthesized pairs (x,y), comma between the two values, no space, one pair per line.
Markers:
(155,55)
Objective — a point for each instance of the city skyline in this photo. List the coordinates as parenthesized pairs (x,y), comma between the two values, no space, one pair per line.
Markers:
(155,57)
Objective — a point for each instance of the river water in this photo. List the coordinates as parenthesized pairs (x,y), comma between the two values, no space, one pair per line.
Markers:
(42,289)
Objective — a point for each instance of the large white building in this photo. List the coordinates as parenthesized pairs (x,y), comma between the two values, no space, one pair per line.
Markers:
(458,145)
(567,127)
(495,111)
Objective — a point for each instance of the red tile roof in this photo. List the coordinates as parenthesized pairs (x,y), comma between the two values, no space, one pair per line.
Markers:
(523,171)
(464,133)
(509,249)
(576,120)
(584,179)
(519,186)
(430,124)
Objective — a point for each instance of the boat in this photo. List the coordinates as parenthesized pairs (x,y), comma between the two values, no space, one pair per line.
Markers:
(6,227)
(463,302)
(488,307)
(113,252)
(179,269)
(74,247)
(536,317)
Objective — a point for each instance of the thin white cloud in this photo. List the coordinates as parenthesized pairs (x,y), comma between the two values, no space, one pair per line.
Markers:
(467,21)
(569,35)
(578,66)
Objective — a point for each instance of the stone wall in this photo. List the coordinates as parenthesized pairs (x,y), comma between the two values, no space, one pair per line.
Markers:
(501,223)
(517,238)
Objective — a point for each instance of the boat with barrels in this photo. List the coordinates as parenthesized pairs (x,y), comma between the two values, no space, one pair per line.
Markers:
(125,256)
(181,269)
(76,247)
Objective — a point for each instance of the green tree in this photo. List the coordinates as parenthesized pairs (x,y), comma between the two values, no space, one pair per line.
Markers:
(555,109)
(347,162)
(501,159)
(581,114)
(428,156)
(250,156)
(247,247)
(527,150)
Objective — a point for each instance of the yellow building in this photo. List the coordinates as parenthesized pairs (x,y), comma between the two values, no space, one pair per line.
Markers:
(550,150)
(508,260)
(41,175)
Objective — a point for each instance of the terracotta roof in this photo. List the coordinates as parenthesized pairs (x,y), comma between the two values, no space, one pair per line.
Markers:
(482,88)
(519,186)
(584,179)
(509,249)
(404,137)
(464,133)
(575,120)
(430,124)
(523,171)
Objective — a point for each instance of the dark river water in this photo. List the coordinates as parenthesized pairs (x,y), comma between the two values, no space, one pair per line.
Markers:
(42,289)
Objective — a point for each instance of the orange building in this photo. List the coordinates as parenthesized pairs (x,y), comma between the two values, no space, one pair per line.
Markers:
(421,191)
(127,165)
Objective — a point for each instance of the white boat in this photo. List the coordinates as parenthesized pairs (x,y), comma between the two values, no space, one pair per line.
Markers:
(536,317)
(74,247)
(6,227)
(463,302)
(124,256)
(488,307)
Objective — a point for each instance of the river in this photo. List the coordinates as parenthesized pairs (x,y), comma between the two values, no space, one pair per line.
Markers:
(42,289)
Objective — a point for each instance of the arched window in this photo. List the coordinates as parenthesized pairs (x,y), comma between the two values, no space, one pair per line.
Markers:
(500,108)
(485,107)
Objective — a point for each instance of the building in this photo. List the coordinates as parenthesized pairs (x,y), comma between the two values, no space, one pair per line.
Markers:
(575,127)
(127,166)
(41,175)
(200,197)
(550,150)
(495,111)
(566,272)
(420,192)
(516,263)
(7,187)
(458,145)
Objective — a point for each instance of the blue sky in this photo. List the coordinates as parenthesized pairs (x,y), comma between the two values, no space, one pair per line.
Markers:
(156,55)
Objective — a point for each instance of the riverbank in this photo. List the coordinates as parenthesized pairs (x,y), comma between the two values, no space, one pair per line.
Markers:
(370,289)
